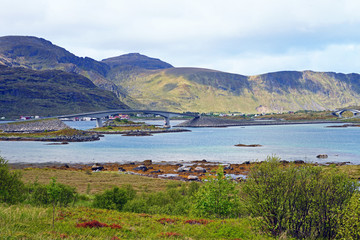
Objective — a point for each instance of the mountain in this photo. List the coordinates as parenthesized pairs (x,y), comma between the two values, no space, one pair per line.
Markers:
(50,93)
(40,54)
(149,83)
(205,90)
(124,67)
(136,60)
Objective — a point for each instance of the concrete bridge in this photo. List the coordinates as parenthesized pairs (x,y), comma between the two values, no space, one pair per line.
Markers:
(102,114)
(340,112)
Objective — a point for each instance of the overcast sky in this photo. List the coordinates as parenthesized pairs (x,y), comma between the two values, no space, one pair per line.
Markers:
(241,36)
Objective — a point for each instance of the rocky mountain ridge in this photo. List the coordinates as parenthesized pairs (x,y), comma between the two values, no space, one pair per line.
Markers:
(50,93)
(144,82)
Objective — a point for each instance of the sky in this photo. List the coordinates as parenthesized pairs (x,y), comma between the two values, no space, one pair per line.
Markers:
(247,37)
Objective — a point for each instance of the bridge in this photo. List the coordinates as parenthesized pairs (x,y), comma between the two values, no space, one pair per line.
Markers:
(102,114)
(340,112)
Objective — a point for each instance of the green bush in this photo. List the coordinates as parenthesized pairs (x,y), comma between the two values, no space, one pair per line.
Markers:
(39,194)
(304,201)
(52,193)
(176,200)
(349,223)
(12,189)
(114,198)
(218,197)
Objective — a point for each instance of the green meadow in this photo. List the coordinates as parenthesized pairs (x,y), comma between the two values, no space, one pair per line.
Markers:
(277,201)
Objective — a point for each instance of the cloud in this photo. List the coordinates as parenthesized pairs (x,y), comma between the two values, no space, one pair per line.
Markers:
(335,58)
(230,35)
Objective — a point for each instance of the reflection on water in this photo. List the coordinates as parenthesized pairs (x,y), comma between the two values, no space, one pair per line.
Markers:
(290,142)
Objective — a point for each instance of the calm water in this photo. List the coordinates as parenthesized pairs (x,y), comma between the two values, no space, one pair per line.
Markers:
(289,142)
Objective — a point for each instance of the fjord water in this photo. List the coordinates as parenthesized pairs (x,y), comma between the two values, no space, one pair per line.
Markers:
(290,142)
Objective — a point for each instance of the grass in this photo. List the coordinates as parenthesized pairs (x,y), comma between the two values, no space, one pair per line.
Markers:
(28,222)
(98,181)
(352,171)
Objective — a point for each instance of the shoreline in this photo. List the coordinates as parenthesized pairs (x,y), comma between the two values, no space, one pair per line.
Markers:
(245,123)
(176,170)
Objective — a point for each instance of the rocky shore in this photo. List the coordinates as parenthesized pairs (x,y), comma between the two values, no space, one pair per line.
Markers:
(34,126)
(48,130)
(184,171)
(222,122)
(62,139)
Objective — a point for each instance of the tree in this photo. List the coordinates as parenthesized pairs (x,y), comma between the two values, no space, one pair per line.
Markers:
(53,191)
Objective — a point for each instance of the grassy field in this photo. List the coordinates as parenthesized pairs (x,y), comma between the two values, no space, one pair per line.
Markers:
(94,181)
(24,221)
(79,221)
(28,222)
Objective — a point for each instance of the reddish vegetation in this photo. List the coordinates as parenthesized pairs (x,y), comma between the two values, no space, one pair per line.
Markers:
(115,226)
(199,221)
(63,236)
(97,224)
(91,224)
(167,220)
(62,215)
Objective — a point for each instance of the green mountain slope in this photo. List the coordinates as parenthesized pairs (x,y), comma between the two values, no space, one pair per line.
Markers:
(203,90)
(50,93)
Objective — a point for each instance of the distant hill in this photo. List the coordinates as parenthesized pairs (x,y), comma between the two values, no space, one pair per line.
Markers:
(136,60)
(143,82)
(50,93)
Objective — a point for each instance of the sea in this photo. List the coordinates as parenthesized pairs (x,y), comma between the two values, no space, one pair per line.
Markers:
(288,142)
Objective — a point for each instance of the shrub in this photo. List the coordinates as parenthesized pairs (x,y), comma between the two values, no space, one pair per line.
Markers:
(12,189)
(114,198)
(40,194)
(218,197)
(176,200)
(304,201)
(349,223)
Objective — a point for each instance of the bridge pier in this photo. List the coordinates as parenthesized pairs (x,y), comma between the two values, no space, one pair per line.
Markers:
(99,122)
(166,122)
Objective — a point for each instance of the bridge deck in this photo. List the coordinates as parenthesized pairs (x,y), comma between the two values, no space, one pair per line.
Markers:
(101,114)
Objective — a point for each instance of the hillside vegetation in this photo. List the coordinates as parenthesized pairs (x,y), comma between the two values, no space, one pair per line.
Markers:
(50,93)
(202,90)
